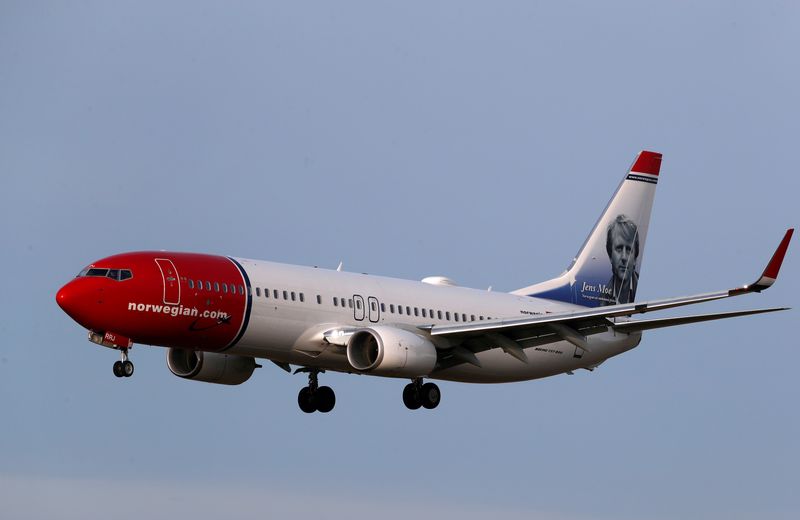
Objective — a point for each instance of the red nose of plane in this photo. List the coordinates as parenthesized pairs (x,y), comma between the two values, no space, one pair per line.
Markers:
(65,298)
(75,299)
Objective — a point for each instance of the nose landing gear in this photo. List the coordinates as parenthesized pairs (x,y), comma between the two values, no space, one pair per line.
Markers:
(315,398)
(417,394)
(124,367)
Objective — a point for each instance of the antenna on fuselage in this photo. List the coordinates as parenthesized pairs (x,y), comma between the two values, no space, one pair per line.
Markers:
(340,266)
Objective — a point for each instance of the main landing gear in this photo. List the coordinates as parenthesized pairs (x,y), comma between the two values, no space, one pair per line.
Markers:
(417,394)
(124,367)
(315,398)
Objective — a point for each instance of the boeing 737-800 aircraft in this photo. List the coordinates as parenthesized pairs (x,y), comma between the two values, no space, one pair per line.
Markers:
(217,314)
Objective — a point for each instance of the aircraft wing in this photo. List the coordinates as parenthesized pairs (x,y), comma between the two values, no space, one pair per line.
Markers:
(515,334)
(640,325)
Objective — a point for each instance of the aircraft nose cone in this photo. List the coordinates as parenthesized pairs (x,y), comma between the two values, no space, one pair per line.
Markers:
(80,300)
(75,299)
(65,298)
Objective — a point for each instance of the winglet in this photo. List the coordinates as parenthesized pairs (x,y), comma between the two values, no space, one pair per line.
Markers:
(770,274)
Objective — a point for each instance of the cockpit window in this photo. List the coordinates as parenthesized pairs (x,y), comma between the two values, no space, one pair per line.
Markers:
(114,274)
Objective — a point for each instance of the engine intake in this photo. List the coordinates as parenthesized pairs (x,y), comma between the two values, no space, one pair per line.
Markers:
(223,369)
(390,351)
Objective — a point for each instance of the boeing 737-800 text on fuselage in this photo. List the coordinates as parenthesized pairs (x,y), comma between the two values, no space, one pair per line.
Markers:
(217,314)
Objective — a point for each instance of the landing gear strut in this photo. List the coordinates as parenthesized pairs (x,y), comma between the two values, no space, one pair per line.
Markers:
(315,398)
(417,394)
(124,367)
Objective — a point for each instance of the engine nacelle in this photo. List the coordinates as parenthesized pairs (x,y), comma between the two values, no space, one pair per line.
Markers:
(223,369)
(391,351)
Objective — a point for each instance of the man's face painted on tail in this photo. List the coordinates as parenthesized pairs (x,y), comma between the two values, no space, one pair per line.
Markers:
(623,260)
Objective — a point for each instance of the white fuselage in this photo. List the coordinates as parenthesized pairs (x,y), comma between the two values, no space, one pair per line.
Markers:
(288,330)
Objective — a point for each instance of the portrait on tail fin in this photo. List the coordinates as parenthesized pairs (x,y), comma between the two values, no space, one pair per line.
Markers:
(622,246)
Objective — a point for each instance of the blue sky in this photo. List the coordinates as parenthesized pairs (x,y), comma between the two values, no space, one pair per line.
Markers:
(407,139)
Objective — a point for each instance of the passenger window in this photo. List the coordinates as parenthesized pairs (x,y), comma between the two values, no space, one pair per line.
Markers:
(440,314)
(408,310)
(480,318)
(416,311)
(285,295)
(431,312)
(391,308)
(472,317)
(302,298)
(463,317)
(208,285)
(358,304)
(424,314)
(191,283)
(258,291)
(293,296)
(447,314)
(350,303)
(200,284)
(224,287)
(373,306)
(335,301)
(455,315)
(216,286)
(399,309)
(383,307)
(275,293)
(319,299)
(241,290)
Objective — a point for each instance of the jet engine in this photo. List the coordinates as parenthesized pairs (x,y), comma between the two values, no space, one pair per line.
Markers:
(391,351)
(223,369)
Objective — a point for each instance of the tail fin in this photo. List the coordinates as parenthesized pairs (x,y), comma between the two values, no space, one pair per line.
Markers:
(606,269)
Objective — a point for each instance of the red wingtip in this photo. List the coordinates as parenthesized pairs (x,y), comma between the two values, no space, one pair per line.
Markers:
(777,259)
(647,162)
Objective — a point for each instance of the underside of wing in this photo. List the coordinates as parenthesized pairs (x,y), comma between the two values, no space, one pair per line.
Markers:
(641,325)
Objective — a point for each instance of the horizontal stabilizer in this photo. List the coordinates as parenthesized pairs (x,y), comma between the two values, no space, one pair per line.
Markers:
(640,325)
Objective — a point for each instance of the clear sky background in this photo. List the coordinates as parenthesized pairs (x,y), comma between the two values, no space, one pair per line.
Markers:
(474,140)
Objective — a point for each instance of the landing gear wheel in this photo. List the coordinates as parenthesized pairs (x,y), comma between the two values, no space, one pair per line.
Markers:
(305,399)
(123,367)
(430,396)
(325,399)
(315,398)
(127,368)
(411,397)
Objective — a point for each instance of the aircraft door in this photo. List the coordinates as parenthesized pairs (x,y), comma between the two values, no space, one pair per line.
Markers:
(373,309)
(169,275)
(358,307)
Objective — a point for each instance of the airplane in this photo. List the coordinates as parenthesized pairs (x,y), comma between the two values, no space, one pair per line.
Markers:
(217,315)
